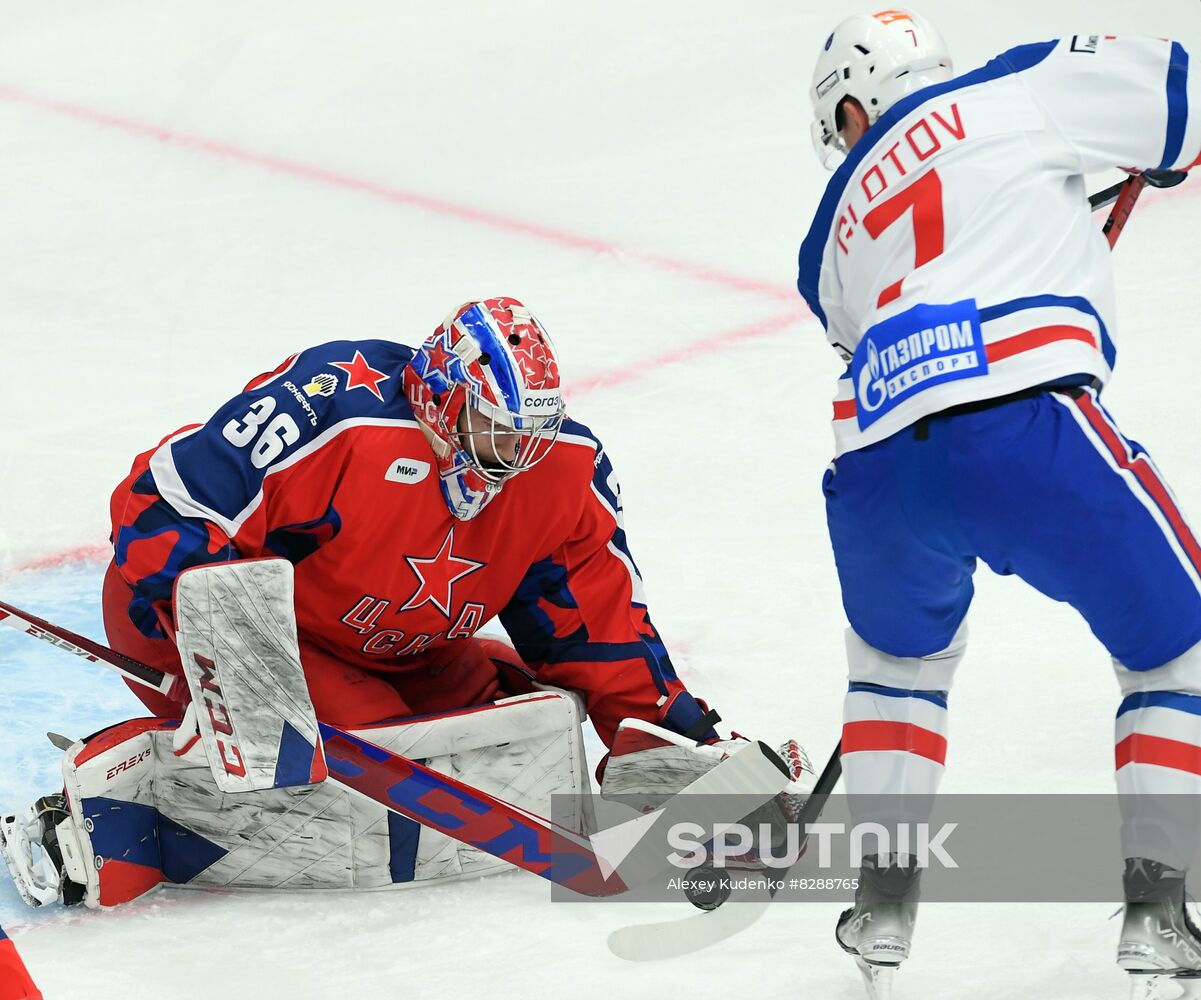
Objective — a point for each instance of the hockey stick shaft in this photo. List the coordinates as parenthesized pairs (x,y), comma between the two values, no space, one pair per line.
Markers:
(401,785)
(1123,205)
(812,809)
(91,651)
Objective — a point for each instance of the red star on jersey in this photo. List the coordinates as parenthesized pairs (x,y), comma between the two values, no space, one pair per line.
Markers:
(361,375)
(439,358)
(437,576)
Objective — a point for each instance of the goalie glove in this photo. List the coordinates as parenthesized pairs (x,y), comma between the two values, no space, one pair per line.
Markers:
(649,763)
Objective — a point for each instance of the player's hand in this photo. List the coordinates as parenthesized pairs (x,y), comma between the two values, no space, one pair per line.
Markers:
(1165,178)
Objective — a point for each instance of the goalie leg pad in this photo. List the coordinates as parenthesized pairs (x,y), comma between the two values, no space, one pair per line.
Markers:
(138,814)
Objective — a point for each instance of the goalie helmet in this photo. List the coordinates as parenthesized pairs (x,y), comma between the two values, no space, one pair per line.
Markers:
(485,388)
(876,59)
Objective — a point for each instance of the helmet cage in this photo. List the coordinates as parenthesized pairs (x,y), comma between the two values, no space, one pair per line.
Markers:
(494,442)
(485,386)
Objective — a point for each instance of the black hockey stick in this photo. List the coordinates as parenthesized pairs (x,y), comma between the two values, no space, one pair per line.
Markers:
(685,935)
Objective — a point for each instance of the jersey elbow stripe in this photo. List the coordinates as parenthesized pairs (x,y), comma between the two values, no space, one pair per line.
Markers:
(1177,105)
(867,737)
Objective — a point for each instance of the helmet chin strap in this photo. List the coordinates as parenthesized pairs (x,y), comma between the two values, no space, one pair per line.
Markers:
(439,447)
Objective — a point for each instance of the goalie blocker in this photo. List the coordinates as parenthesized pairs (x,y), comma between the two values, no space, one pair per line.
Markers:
(138,812)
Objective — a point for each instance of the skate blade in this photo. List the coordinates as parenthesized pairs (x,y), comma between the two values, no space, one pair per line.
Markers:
(877,979)
(1164,988)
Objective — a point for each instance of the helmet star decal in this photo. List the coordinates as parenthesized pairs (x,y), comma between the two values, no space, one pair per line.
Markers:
(437,576)
(537,364)
(360,375)
(439,358)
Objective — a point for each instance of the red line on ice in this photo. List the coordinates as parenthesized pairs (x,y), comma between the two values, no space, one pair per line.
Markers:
(637,368)
(643,367)
(399,196)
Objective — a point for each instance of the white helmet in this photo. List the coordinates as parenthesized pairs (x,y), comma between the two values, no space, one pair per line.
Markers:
(876,59)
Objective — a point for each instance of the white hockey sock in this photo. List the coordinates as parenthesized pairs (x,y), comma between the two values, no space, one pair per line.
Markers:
(1157,753)
(894,736)
(894,740)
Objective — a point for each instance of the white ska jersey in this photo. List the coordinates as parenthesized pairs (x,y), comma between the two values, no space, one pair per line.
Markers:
(954,257)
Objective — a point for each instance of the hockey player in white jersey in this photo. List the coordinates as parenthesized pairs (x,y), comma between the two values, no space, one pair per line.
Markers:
(955,265)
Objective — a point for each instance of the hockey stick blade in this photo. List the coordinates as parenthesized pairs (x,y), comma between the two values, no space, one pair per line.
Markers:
(658,942)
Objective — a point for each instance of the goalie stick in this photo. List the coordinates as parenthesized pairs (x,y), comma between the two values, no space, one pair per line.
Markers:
(469,815)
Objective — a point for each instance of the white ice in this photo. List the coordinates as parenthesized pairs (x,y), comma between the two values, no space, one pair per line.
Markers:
(191,191)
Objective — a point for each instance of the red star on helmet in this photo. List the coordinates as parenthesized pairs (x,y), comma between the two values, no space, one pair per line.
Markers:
(437,576)
(537,364)
(439,358)
(360,375)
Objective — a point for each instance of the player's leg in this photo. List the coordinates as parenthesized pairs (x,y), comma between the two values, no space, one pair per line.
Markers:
(1080,512)
(906,579)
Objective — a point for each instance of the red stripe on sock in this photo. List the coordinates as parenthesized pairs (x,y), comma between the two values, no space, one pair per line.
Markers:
(1139,748)
(861,737)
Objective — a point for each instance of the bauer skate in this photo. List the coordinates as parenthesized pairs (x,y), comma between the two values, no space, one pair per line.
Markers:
(32,849)
(1160,946)
(877,930)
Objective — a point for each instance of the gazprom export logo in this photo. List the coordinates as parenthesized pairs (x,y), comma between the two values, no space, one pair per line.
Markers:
(919,348)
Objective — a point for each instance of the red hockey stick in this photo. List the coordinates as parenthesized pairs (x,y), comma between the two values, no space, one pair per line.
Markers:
(1124,194)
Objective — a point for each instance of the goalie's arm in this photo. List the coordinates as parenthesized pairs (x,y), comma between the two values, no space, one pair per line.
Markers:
(205,494)
(579,619)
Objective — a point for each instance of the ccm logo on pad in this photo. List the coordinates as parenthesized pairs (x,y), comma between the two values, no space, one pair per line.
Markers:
(407,470)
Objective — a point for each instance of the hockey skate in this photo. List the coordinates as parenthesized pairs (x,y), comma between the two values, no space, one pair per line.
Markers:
(32,844)
(1160,945)
(877,930)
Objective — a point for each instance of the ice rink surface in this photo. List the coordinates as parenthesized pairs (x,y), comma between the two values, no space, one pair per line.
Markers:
(190,192)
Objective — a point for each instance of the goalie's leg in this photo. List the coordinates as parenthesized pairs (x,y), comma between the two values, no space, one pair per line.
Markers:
(136,813)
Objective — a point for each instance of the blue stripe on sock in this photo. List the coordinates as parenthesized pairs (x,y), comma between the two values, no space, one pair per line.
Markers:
(1190,703)
(938,698)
